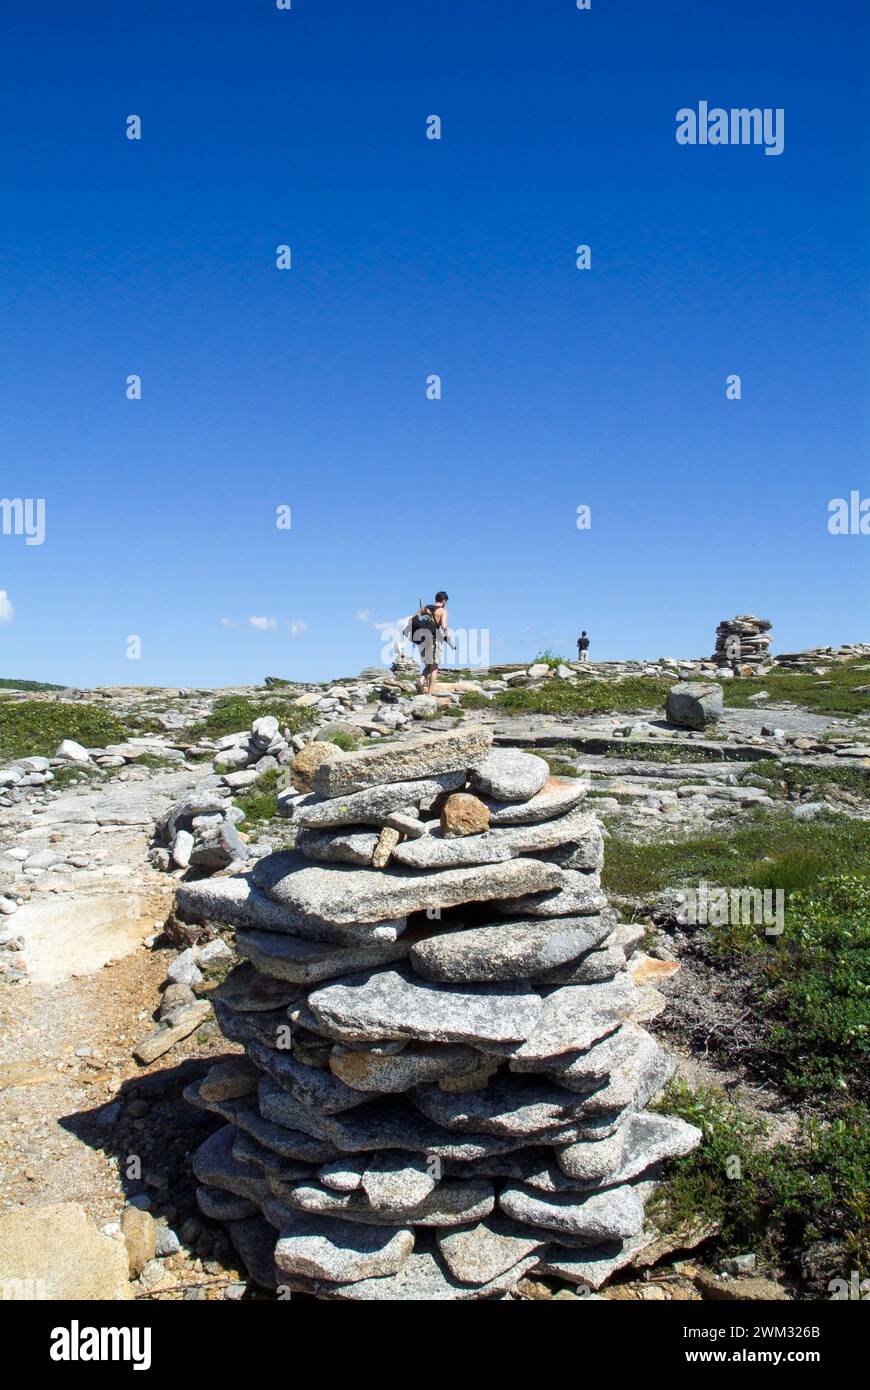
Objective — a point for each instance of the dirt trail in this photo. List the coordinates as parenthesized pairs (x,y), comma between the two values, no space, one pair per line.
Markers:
(66,1037)
(46,1083)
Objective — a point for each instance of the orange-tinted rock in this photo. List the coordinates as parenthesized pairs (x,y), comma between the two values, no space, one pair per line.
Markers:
(464,814)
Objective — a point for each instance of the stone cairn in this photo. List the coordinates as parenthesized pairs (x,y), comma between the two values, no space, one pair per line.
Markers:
(743,642)
(444,1084)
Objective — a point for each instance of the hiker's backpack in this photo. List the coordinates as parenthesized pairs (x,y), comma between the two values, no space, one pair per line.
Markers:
(423,626)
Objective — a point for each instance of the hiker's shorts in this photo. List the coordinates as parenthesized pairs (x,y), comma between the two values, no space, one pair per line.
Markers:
(429,647)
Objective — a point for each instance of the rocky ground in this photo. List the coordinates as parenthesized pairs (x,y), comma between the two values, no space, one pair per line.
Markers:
(104,1012)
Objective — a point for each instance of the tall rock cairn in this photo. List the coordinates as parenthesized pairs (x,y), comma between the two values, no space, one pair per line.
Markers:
(743,642)
(444,1085)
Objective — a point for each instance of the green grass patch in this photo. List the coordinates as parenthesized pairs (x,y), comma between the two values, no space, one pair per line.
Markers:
(550,659)
(37,727)
(792,780)
(629,695)
(767,773)
(233,713)
(63,777)
(809,988)
(260,801)
(818,988)
(348,743)
(774,1199)
(770,850)
(69,776)
(682,751)
(597,793)
(856,732)
(559,767)
(157,761)
(801,688)
(471,700)
(144,723)
(792,870)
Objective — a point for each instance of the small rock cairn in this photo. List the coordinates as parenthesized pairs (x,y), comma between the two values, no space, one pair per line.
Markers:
(199,831)
(444,1084)
(743,641)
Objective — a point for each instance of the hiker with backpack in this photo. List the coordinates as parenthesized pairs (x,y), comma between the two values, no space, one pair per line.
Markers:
(428,629)
(583,647)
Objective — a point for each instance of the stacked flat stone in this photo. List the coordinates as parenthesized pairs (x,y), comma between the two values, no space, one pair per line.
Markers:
(743,641)
(444,1086)
(822,656)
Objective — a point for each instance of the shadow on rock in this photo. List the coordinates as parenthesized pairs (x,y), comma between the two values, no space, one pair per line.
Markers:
(153,1134)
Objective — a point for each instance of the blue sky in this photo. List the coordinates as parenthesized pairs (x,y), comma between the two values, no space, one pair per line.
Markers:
(307,387)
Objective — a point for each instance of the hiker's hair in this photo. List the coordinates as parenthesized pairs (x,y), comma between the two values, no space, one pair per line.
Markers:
(583,633)
(440,597)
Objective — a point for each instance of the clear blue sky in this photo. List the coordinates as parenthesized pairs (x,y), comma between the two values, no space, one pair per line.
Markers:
(307,387)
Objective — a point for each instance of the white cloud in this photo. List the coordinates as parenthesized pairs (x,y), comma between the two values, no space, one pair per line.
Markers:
(363,615)
(399,623)
(262,623)
(7,612)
